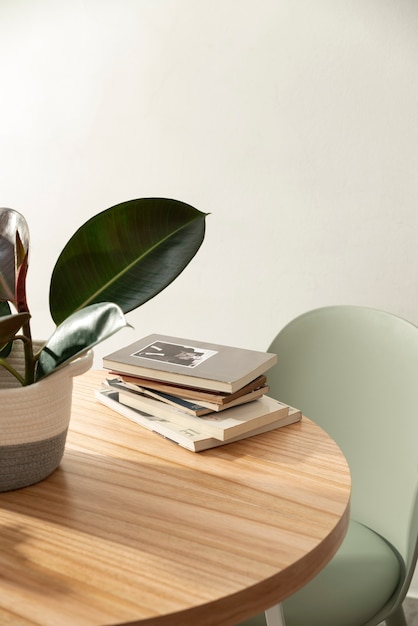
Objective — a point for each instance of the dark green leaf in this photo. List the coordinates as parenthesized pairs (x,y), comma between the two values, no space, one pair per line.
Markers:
(5,349)
(10,325)
(77,334)
(126,254)
(14,244)
(5,309)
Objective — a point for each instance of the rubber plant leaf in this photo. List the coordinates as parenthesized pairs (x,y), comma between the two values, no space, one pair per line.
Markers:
(14,247)
(7,348)
(126,254)
(77,334)
(10,325)
(21,273)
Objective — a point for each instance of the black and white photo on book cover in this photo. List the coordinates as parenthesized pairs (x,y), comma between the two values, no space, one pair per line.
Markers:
(178,354)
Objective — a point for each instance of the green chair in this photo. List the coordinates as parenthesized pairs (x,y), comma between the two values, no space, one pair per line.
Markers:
(354,371)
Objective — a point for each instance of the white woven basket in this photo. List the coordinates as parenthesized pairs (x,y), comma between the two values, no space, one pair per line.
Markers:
(34,422)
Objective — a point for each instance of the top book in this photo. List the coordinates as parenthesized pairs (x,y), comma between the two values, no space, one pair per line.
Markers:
(190,363)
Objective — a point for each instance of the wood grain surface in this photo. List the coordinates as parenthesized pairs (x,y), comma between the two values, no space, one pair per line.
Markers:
(132,529)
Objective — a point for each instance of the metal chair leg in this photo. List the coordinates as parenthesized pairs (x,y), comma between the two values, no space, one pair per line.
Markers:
(275,617)
(397,618)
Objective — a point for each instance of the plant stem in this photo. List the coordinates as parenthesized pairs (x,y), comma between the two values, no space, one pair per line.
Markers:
(15,373)
(30,360)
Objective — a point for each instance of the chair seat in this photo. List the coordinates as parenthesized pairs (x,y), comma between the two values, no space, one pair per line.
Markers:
(352,588)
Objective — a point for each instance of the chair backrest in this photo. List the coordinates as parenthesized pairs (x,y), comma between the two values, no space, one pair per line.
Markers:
(354,371)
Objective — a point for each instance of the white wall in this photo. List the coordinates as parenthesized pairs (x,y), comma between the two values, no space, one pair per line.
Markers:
(293,122)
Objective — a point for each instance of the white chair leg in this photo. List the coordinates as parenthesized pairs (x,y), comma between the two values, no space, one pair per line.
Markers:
(274,616)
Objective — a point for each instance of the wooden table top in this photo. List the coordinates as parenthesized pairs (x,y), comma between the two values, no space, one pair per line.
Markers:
(132,529)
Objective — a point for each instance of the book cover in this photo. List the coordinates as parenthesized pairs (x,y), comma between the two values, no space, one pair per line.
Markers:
(190,439)
(191,363)
(223,425)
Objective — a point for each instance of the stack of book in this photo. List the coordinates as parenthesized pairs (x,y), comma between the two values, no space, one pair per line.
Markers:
(197,394)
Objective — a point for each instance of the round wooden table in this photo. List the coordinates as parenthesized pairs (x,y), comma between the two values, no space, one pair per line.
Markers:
(132,529)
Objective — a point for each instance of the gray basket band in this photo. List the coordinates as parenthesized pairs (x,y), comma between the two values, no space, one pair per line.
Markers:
(28,463)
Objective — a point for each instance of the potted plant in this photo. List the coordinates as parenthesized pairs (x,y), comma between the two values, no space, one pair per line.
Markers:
(114,262)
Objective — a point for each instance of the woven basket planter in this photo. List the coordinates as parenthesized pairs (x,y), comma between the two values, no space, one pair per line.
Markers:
(34,422)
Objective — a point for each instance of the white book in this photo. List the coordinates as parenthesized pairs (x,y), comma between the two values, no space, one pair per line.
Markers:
(191,439)
(223,425)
